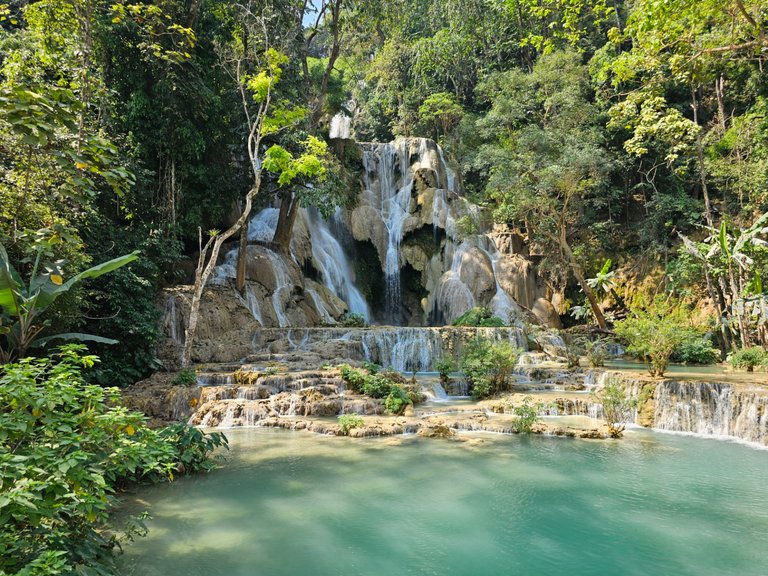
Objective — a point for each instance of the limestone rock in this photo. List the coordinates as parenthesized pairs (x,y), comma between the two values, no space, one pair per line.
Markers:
(477,274)
(546,313)
(517,276)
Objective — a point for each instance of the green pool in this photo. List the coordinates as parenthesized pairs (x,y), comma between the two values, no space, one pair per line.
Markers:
(300,504)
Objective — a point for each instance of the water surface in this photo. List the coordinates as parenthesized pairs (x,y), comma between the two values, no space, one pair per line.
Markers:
(295,503)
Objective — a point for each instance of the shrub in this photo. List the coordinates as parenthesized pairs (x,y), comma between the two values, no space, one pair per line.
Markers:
(185,377)
(597,353)
(65,447)
(353,320)
(488,366)
(526,414)
(617,406)
(396,400)
(349,421)
(389,386)
(655,331)
(444,367)
(479,316)
(749,358)
(696,349)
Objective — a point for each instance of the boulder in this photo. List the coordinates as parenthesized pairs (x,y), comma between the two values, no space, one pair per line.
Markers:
(477,273)
(546,313)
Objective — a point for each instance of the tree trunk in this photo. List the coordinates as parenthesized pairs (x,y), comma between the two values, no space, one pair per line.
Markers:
(700,158)
(578,272)
(242,252)
(289,209)
(204,269)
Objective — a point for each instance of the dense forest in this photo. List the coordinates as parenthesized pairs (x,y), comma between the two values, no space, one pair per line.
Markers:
(623,143)
(634,132)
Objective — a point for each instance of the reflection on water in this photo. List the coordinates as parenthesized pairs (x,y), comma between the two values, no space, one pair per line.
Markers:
(294,503)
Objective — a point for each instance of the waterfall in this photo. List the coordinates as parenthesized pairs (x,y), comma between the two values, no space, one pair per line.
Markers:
(335,271)
(403,349)
(251,302)
(383,163)
(283,287)
(502,304)
(341,126)
(713,409)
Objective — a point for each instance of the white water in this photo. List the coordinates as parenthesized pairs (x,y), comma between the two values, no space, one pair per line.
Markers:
(388,178)
(404,349)
(283,287)
(335,271)
(341,126)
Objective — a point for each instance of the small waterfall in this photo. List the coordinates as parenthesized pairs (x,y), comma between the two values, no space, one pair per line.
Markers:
(713,409)
(383,163)
(341,126)
(172,321)
(403,349)
(251,302)
(329,259)
(502,304)
(283,287)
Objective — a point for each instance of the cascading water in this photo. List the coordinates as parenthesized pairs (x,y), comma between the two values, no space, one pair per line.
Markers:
(329,259)
(389,179)
(283,287)
(403,349)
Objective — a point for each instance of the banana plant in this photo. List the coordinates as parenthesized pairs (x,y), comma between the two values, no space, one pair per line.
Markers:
(22,304)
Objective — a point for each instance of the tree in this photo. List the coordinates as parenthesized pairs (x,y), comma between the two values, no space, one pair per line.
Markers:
(655,329)
(617,406)
(441,112)
(255,88)
(543,155)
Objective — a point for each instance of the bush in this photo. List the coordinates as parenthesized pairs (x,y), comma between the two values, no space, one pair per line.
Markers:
(444,367)
(617,406)
(479,316)
(349,421)
(749,358)
(526,415)
(389,386)
(488,366)
(65,447)
(353,320)
(185,377)
(655,331)
(696,349)
(597,353)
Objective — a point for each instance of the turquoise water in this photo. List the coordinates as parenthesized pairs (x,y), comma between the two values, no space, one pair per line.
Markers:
(300,504)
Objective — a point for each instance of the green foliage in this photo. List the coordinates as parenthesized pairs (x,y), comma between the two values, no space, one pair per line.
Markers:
(597,353)
(185,377)
(444,366)
(527,414)
(65,446)
(617,406)
(478,316)
(655,330)
(349,421)
(22,303)
(696,349)
(441,112)
(353,320)
(488,366)
(749,358)
(396,400)
(389,386)
(308,165)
